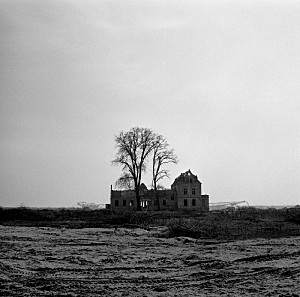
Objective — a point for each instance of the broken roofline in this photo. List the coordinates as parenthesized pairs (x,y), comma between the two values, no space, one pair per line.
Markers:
(179,178)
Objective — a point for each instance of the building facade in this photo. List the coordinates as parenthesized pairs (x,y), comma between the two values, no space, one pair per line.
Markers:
(185,193)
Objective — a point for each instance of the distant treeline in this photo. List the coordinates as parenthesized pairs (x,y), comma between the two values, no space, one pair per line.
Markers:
(226,224)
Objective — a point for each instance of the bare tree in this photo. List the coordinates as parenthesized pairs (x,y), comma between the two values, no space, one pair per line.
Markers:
(133,149)
(162,155)
(125,181)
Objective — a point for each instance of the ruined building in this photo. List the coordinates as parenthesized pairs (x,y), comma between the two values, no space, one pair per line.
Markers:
(185,193)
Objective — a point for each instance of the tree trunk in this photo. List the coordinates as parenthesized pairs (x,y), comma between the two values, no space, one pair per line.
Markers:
(156,196)
(138,199)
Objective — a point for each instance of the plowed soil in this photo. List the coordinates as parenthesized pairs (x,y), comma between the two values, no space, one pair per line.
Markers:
(137,262)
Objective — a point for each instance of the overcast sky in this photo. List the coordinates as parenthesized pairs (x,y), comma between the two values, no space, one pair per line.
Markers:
(219,79)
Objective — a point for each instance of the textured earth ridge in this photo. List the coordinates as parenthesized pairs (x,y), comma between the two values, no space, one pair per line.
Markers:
(137,262)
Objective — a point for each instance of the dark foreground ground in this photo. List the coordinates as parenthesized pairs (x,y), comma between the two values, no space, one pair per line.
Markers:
(46,261)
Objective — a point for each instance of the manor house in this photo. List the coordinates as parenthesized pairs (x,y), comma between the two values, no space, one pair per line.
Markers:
(185,193)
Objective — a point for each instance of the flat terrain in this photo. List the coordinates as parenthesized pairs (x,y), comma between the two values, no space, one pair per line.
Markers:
(136,262)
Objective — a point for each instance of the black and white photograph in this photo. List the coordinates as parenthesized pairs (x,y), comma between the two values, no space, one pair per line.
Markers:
(149,148)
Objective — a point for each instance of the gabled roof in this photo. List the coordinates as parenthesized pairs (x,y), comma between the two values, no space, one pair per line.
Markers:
(183,175)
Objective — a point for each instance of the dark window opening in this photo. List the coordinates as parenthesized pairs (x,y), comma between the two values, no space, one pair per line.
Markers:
(116,202)
(185,191)
(193,191)
(124,202)
(164,202)
(172,197)
(193,202)
(185,202)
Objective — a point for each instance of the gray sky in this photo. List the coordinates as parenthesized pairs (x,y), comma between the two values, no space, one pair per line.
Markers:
(219,79)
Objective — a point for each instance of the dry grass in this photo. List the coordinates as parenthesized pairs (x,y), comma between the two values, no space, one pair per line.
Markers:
(241,224)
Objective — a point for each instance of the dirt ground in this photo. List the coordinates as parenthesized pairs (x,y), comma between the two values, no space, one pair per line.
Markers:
(136,262)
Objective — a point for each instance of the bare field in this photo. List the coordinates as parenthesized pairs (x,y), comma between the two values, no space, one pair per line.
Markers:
(136,262)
